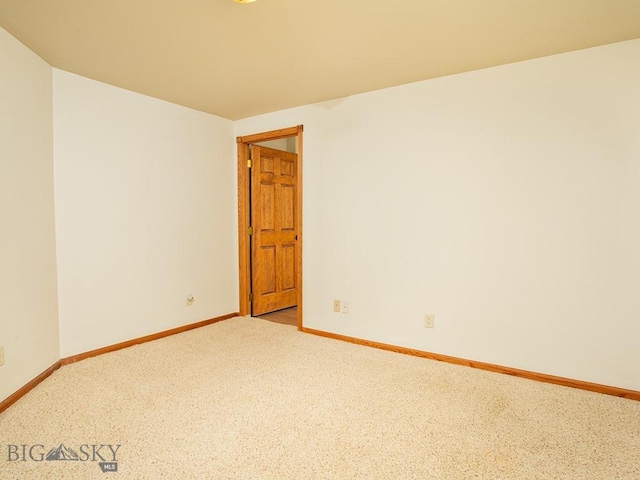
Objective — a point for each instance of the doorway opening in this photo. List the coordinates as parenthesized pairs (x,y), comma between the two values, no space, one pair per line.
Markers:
(270,224)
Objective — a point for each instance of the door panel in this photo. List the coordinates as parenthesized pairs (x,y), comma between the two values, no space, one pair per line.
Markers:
(274,210)
(287,206)
(267,274)
(268,202)
(287,168)
(267,165)
(288,267)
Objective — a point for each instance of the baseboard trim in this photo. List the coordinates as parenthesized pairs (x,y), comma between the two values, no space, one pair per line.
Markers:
(540,377)
(13,398)
(145,339)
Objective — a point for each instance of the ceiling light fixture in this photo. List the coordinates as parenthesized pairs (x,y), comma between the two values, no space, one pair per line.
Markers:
(244,1)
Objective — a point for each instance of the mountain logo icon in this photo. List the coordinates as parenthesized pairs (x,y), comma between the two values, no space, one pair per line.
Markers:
(62,453)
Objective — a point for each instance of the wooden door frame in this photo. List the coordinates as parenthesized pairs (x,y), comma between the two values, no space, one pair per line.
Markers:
(244,209)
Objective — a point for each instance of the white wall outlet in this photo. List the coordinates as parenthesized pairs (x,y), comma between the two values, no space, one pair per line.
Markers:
(345,306)
(429,320)
(1,356)
(190,300)
(336,306)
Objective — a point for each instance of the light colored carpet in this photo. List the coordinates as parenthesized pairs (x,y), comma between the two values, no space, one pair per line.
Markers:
(250,399)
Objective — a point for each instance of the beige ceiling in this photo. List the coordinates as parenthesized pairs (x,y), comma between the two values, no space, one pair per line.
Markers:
(238,60)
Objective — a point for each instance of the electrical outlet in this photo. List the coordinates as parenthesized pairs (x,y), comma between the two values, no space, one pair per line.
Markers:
(1,356)
(345,306)
(429,320)
(190,300)
(336,306)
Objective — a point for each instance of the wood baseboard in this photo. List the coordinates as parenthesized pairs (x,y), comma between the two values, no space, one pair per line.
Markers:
(111,348)
(11,399)
(145,339)
(540,377)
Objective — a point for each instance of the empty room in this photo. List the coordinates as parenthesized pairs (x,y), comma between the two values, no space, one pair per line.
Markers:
(285,239)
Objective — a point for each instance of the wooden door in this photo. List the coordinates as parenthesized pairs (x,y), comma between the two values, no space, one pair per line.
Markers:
(273,241)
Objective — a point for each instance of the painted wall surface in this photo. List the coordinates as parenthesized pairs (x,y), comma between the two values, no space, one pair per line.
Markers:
(285,144)
(28,297)
(145,214)
(280,144)
(504,201)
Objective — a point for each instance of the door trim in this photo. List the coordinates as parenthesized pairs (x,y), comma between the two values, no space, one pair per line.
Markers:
(244,259)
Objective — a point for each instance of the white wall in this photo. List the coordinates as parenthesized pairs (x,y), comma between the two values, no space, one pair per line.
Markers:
(28,303)
(505,201)
(286,144)
(144,211)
